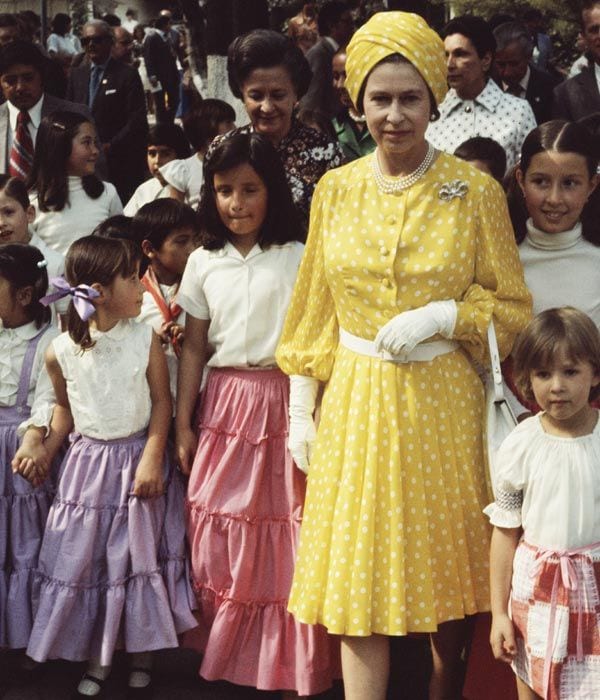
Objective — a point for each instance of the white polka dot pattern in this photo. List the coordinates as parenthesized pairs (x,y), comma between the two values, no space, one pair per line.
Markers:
(393,538)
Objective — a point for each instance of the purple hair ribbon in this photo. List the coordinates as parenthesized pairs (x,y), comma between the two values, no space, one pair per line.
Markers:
(82,295)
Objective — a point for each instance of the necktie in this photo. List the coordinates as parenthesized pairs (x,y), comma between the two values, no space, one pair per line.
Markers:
(21,153)
(94,82)
(515,89)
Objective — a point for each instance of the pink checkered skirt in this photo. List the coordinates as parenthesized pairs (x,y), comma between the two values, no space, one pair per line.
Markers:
(555,607)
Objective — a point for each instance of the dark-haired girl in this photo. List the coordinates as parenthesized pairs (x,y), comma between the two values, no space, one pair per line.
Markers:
(26,399)
(245,495)
(555,209)
(69,198)
(112,564)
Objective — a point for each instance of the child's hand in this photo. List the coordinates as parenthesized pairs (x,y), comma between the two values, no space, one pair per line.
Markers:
(148,481)
(185,449)
(32,460)
(502,638)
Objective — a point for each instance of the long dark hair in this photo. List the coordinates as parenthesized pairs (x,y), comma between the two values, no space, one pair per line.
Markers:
(94,259)
(282,222)
(563,137)
(52,150)
(22,266)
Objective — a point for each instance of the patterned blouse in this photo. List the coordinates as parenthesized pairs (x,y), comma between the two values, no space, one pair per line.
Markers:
(306,155)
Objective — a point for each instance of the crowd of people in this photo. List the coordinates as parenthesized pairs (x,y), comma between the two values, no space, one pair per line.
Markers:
(242,368)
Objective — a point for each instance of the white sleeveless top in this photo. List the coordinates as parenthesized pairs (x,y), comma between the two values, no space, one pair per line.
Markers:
(107,385)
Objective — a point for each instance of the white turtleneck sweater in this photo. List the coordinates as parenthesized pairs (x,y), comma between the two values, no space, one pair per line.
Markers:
(562,269)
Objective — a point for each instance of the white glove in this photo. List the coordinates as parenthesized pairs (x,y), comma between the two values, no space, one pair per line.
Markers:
(404,332)
(303,395)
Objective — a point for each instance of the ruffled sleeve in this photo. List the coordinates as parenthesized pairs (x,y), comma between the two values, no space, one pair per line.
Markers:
(498,290)
(176,174)
(310,333)
(506,511)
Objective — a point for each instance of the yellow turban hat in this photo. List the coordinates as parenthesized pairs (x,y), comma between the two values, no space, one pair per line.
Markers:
(387,33)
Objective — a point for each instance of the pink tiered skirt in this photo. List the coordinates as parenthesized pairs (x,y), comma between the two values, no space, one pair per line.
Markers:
(245,500)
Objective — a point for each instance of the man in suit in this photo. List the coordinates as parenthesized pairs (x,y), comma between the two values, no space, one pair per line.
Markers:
(22,76)
(514,51)
(579,96)
(114,93)
(335,25)
(161,67)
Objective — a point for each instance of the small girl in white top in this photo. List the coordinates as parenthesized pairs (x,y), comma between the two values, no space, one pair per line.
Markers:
(245,495)
(545,552)
(112,564)
(554,205)
(26,399)
(209,119)
(68,197)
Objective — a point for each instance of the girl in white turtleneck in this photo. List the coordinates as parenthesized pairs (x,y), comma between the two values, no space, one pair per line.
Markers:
(555,210)
(69,200)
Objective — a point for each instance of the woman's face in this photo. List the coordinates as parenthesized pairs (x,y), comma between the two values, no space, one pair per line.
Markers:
(397,107)
(269,97)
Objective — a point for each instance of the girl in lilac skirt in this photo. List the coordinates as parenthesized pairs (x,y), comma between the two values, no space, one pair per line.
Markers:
(245,495)
(26,399)
(111,570)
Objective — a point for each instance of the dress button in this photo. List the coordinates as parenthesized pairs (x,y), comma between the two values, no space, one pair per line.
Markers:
(468,109)
(383,250)
(386,283)
(391,220)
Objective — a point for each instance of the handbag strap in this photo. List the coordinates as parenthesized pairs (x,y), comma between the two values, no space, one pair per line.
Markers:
(495,361)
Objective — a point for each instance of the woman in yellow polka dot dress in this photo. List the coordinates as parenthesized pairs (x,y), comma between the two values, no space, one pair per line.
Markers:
(410,254)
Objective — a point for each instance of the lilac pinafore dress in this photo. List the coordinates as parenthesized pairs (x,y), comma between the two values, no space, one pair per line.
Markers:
(23,513)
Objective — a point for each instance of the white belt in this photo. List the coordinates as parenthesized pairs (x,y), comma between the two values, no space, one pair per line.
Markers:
(424,352)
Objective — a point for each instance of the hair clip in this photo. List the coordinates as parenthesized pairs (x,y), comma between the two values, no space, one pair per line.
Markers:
(60,126)
(42,263)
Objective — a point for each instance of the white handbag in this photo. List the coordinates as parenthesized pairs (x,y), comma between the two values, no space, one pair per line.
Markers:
(499,417)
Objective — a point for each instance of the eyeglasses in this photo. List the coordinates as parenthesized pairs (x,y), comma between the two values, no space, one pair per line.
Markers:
(96,40)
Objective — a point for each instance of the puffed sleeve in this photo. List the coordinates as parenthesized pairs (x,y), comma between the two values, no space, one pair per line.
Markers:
(44,400)
(191,296)
(509,478)
(498,289)
(310,333)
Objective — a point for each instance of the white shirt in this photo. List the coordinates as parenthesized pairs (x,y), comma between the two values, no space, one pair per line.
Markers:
(185,175)
(152,315)
(67,45)
(35,117)
(498,115)
(562,269)
(549,485)
(147,192)
(246,300)
(40,397)
(107,386)
(58,229)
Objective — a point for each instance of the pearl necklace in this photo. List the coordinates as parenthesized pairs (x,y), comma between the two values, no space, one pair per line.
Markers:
(388,186)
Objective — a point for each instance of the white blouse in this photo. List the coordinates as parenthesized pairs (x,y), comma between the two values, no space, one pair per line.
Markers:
(107,386)
(246,300)
(55,268)
(40,397)
(549,486)
(185,175)
(152,315)
(147,192)
(79,218)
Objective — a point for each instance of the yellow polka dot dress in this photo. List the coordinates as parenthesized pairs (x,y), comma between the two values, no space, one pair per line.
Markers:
(393,538)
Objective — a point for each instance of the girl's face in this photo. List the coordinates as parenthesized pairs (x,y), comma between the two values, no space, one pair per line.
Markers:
(269,97)
(159,155)
(397,108)
(556,187)
(14,220)
(12,304)
(241,199)
(563,389)
(122,298)
(84,151)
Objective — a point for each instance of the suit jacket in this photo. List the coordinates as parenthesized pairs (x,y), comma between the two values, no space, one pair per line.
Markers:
(577,97)
(119,111)
(160,61)
(49,104)
(320,94)
(540,94)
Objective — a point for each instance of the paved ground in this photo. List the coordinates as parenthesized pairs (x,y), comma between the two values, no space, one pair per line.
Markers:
(176,679)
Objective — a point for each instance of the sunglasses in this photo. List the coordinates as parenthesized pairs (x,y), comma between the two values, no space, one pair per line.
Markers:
(96,40)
